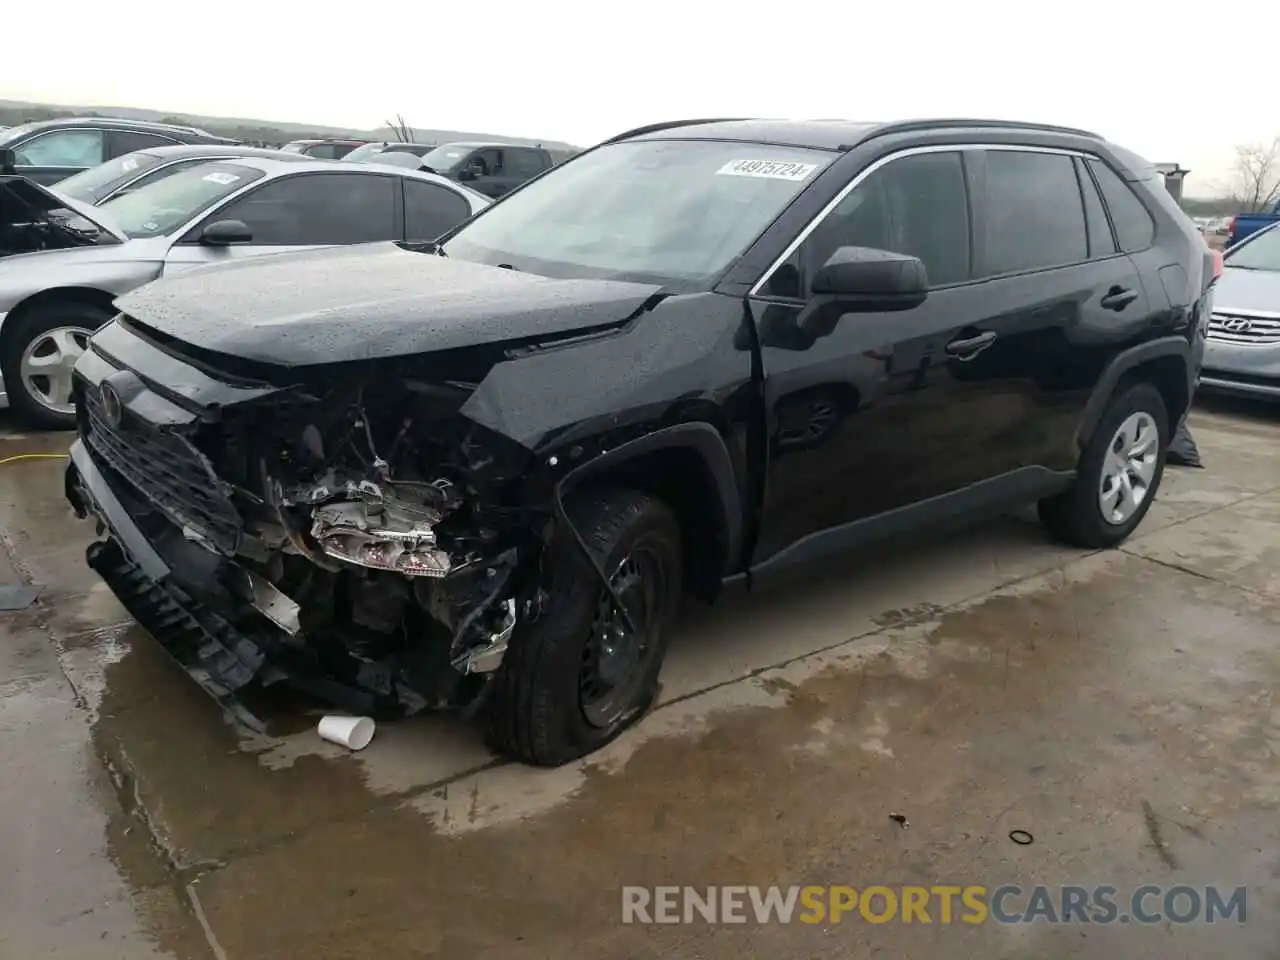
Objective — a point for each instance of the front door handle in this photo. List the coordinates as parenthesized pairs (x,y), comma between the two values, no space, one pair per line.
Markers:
(1118,298)
(970,347)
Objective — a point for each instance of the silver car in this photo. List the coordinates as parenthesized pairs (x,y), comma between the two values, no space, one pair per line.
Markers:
(64,263)
(1242,353)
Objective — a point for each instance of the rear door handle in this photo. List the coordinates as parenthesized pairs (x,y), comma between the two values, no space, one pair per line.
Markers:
(970,347)
(1118,298)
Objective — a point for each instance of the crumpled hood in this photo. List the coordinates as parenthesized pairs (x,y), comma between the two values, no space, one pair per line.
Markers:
(369,302)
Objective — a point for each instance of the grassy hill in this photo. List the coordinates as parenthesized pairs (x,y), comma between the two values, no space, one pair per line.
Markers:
(275,132)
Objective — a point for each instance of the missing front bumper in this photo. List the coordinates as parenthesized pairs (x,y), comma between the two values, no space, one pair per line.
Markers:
(223,658)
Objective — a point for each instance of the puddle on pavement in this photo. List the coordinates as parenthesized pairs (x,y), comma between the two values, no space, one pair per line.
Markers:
(1058,706)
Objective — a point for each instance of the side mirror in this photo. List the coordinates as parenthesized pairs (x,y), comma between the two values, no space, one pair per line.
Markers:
(8,161)
(225,233)
(866,280)
(466,174)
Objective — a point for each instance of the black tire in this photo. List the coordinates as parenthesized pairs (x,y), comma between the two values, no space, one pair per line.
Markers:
(538,711)
(20,333)
(1075,517)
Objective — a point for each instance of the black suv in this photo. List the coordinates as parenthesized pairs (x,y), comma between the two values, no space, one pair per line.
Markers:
(480,473)
(51,150)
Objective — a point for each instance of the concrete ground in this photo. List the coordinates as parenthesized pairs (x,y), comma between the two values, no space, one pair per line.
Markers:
(1119,706)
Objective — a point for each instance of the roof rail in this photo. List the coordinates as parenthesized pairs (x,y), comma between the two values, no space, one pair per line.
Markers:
(907,126)
(669,125)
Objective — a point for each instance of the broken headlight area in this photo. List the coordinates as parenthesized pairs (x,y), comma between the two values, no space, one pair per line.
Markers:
(385,536)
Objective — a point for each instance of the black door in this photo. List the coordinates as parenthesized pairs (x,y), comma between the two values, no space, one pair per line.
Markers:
(878,410)
(1064,299)
(57,154)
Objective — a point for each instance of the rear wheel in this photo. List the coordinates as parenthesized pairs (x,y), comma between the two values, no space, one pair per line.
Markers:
(577,677)
(40,350)
(1119,473)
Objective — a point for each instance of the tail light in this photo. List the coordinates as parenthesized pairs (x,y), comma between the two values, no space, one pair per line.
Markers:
(1231,231)
(1218,264)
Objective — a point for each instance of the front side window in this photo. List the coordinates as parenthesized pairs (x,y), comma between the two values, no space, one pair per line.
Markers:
(92,185)
(318,209)
(164,206)
(1134,227)
(1259,252)
(62,148)
(1034,212)
(675,212)
(916,205)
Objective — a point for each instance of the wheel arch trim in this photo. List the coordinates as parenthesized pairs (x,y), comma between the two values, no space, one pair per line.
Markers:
(704,440)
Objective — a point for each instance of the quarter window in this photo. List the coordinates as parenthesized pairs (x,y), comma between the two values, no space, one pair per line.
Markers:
(916,205)
(430,210)
(1034,212)
(62,148)
(318,208)
(1134,227)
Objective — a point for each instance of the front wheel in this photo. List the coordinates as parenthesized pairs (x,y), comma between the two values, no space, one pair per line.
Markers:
(41,349)
(1118,475)
(577,677)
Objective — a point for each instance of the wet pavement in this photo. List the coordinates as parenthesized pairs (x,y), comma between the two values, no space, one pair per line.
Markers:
(1119,706)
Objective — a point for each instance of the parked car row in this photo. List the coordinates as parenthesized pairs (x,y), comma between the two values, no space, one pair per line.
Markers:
(65,256)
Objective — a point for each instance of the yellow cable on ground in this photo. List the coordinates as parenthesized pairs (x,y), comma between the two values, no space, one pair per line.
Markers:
(33,456)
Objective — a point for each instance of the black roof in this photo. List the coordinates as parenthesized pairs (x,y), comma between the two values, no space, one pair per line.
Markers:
(824,134)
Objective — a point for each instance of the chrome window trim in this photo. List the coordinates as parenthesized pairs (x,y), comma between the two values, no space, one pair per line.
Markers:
(853,184)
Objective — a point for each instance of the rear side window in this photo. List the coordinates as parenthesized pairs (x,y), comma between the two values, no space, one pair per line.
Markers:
(1101,243)
(127,141)
(1034,212)
(430,210)
(1134,227)
(318,208)
(523,163)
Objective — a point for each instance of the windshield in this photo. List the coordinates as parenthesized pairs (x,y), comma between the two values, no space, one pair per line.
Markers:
(365,152)
(668,211)
(1262,252)
(165,205)
(298,146)
(444,159)
(97,182)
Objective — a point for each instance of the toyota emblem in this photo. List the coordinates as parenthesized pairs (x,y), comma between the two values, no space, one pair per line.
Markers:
(112,408)
(1237,325)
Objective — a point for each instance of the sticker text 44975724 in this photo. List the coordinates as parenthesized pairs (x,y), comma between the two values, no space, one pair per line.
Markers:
(769,169)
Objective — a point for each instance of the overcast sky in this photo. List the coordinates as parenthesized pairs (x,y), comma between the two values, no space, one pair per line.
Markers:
(1162,79)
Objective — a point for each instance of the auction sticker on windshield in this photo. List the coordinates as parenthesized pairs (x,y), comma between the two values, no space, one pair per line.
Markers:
(769,169)
(222,179)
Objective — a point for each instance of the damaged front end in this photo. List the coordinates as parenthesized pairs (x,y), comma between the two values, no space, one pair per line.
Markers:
(366,543)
